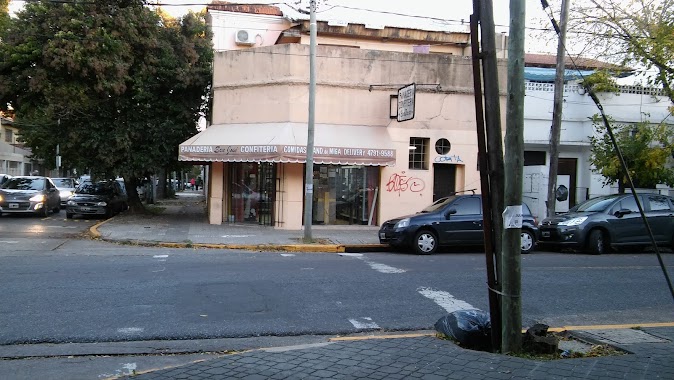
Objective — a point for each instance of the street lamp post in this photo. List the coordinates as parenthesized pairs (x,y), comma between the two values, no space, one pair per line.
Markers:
(309,174)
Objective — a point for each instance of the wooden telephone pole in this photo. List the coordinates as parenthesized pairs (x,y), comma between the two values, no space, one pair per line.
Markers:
(556,129)
(511,282)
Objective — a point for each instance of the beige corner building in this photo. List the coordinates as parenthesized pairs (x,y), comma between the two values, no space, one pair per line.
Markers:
(368,166)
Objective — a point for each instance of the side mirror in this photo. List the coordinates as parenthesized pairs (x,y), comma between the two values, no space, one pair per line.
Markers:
(450,212)
(623,211)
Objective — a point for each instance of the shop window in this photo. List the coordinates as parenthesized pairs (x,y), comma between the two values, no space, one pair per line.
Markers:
(8,135)
(419,153)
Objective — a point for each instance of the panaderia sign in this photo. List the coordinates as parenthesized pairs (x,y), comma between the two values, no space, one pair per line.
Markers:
(287,153)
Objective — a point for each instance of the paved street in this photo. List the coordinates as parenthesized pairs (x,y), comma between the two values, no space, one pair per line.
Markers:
(70,303)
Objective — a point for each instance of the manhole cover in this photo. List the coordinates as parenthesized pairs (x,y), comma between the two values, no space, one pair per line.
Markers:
(624,336)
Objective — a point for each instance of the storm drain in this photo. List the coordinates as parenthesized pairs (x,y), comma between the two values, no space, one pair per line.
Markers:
(623,336)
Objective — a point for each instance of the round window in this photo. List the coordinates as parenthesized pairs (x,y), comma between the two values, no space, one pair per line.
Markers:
(442,146)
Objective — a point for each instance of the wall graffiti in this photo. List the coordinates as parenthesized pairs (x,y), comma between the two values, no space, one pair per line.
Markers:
(452,158)
(399,182)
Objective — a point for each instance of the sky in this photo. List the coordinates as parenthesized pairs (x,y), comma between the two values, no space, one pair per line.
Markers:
(443,9)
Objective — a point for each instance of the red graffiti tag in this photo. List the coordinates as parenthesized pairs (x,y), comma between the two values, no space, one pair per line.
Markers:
(400,182)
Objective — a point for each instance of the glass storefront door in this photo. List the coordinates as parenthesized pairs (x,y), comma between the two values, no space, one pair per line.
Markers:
(252,192)
(345,194)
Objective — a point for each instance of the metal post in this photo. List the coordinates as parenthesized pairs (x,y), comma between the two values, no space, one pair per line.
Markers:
(309,175)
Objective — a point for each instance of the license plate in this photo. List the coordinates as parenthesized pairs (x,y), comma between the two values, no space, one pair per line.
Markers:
(382,235)
(85,208)
(13,205)
(546,233)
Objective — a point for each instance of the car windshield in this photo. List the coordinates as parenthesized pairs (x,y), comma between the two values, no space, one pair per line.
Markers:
(24,184)
(595,205)
(437,205)
(63,182)
(100,188)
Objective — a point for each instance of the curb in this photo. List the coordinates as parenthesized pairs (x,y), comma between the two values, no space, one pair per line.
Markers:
(307,248)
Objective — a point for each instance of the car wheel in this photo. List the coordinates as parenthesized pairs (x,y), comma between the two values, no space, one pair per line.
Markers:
(597,243)
(58,208)
(45,211)
(528,241)
(425,242)
(69,215)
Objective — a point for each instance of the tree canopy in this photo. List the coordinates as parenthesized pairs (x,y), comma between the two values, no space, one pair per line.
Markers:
(646,149)
(638,33)
(116,85)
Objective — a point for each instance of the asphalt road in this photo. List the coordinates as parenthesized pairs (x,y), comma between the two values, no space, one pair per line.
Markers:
(63,290)
(55,226)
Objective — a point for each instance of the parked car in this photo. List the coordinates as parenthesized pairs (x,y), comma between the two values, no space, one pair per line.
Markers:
(103,198)
(29,195)
(66,188)
(451,221)
(611,221)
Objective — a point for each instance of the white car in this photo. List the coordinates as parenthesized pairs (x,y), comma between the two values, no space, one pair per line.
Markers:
(66,188)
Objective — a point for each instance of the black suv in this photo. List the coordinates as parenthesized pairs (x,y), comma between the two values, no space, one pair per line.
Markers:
(600,223)
(452,221)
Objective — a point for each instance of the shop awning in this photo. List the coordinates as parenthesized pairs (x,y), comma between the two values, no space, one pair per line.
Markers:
(287,142)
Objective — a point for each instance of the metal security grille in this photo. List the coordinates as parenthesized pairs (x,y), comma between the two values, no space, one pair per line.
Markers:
(267,188)
(419,153)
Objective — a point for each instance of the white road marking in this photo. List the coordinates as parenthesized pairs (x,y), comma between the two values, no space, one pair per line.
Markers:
(8,241)
(383,268)
(160,256)
(130,330)
(364,323)
(237,236)
(287,254)
(445,300)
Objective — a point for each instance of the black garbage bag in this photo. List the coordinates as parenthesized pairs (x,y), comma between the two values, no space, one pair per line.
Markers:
(471,328)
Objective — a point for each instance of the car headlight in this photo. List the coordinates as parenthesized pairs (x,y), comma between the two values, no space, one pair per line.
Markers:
(38,198)
(65,193)
(402,223)
(72,203)
(1,199)
(102,204)
(573,221)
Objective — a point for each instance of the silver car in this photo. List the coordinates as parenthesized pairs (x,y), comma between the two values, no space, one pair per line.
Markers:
(66,188)
(29,195)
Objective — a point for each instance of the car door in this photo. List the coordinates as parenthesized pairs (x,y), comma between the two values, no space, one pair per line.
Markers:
(53,197)
(627,228)
(660,217)
(463,223)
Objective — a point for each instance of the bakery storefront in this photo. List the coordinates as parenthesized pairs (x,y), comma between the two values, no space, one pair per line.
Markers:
(257,172)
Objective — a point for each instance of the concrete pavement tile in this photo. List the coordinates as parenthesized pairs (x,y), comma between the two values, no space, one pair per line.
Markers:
(323,374)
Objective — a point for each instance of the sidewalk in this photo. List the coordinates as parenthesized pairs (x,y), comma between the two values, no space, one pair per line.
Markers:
(427,357)
(184,222)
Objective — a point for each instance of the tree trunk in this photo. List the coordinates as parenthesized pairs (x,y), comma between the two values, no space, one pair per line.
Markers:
(135,204)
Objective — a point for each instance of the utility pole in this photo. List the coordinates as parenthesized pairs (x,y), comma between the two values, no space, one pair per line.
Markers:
(555,130)
(490,150)
(309,174)
(511,282)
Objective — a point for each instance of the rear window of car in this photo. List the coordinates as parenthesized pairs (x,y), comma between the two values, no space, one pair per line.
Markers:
(24,184)
(89,188)
(63,182)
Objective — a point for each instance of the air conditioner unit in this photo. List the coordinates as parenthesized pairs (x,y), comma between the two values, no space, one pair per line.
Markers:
(244,37)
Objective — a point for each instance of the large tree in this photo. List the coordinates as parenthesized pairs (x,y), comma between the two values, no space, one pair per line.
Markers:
(637,33)
(647,149)
(114,84)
